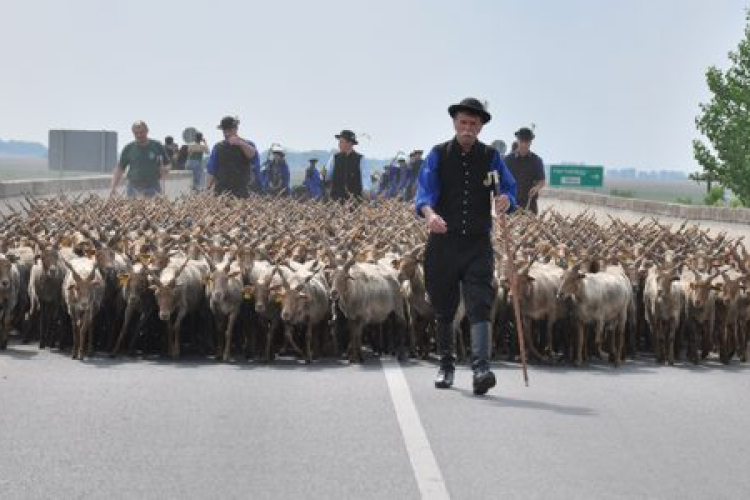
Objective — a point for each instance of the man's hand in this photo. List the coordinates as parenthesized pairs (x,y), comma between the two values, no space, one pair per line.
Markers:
(436,224)
(235,140)
(502,204)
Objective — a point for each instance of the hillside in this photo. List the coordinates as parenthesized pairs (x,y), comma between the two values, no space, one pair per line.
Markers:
(22,148)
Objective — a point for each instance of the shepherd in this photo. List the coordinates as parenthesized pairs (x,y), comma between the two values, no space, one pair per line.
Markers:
(455,192)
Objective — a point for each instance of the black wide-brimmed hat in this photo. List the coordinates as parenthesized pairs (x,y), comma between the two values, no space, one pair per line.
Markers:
(473,107)
(416,152)
(525,134)
(228,122)
(313,160)
(349,136)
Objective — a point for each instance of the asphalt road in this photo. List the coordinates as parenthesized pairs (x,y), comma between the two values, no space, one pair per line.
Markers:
(150,428)
(195,429)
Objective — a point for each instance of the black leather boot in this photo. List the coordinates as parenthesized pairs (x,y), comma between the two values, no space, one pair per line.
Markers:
(484,379)
(444,378)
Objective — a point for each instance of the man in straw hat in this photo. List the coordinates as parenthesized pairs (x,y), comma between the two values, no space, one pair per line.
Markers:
(454,195)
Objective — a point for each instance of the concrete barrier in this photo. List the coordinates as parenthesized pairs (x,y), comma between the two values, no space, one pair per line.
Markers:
(12,192)
(691,212)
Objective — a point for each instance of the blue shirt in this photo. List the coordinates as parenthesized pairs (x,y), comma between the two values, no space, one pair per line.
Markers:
(313,183)
(284,171)
(428,181)
(211,165)
(393,180)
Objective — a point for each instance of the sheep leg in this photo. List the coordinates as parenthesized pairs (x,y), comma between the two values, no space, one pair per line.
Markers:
(228,336)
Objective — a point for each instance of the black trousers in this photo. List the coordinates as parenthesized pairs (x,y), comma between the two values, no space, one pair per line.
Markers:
(454,263)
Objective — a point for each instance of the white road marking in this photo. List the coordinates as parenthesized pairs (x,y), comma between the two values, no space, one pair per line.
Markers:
(426,471)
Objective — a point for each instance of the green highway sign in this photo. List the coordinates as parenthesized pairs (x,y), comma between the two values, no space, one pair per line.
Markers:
(576,176)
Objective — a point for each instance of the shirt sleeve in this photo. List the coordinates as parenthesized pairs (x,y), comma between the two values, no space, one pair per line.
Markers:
(540,169)
(329,168)
(507,182)
(124,157)
(285,176)
(211,164)
(428,185)
(365,171)
(162,152)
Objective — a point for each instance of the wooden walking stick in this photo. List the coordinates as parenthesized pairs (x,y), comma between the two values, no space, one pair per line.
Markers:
(505,232)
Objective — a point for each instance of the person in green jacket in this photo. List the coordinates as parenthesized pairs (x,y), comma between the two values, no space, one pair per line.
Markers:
(144,162)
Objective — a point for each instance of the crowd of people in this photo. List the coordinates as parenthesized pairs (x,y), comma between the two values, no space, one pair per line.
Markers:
(234,166)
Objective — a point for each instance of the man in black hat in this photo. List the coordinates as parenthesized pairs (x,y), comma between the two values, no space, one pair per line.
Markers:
(313,183)
(457,186)
(410,183)
(527,169)
(233,166)
(345,169)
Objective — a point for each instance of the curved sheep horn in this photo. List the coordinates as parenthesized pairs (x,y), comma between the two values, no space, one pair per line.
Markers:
(75,274)
(211,264)
(283,279)
(270,275)
(349,265)
(179,271)
(88,235)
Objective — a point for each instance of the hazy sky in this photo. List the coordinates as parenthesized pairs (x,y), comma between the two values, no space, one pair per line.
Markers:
(606,82)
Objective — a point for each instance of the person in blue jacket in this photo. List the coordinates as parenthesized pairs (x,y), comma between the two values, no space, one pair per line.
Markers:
(398,172)
(391,182)
(384,181)
(233,166)
(458,184)
(313,182)
(409,183)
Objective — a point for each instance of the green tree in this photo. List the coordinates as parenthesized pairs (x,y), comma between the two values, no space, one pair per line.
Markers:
(725,123)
